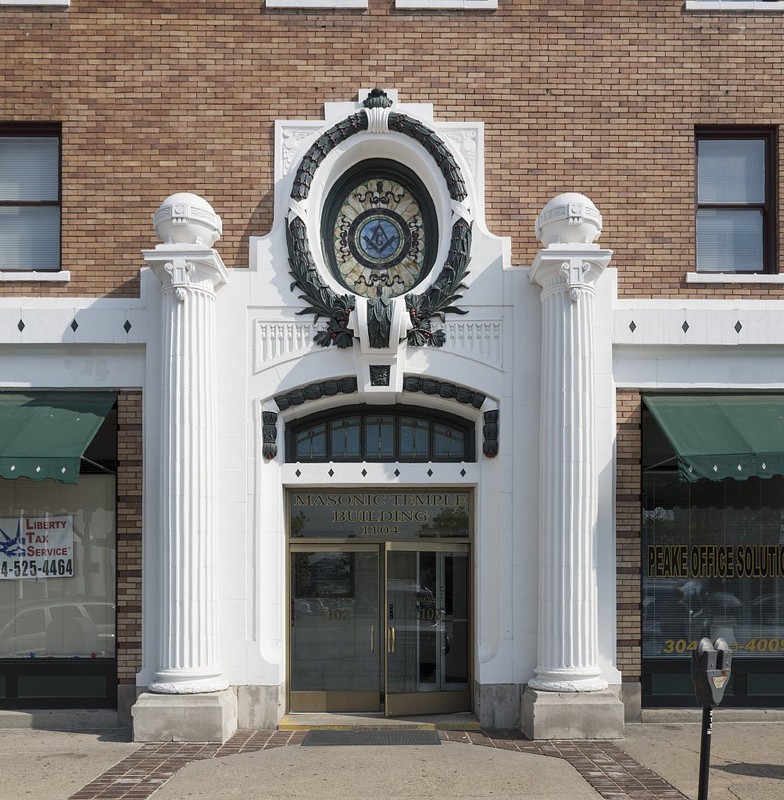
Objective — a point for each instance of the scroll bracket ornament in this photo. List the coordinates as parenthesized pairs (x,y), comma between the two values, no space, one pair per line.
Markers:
(575,271)
(179,272)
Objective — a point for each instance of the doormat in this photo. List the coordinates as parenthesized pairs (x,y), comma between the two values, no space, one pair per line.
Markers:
(371,736)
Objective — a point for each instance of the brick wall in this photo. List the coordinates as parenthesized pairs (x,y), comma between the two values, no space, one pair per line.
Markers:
(628,516)
(598,97)
(129,535)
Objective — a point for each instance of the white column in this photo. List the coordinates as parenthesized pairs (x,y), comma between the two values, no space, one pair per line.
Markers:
(568,618)
(187,649)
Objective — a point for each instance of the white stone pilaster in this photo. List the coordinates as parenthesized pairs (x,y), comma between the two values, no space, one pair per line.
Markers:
(568,698)
(187,650)
(568,638)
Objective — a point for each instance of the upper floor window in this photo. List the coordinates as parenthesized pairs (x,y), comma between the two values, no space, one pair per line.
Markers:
(29,197)
(735,200)
(375,433)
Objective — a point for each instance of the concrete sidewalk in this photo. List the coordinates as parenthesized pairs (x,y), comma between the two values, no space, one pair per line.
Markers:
(747,758)
(747,764)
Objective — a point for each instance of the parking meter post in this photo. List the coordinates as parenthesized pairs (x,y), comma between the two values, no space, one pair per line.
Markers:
(705,745)
(711,664)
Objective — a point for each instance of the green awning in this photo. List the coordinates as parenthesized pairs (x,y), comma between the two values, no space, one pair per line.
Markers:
(44,434)
(723,436)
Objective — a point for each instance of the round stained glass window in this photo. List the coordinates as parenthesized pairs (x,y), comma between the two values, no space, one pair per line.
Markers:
(379,232)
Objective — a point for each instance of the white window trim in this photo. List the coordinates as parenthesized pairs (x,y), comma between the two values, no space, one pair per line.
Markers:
(317,3)
(466,5)
(732,277)
(35,2)
(735,5)
(64,276)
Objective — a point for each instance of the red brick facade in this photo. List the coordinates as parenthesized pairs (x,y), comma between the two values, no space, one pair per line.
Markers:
(599,97)
(627,533)
(129,535)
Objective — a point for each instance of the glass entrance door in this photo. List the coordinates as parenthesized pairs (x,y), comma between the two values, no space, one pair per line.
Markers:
(426,610)
(336,661)
(380,627)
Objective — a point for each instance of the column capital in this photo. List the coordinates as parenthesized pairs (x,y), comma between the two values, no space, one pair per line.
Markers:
(572,268)
(183,267)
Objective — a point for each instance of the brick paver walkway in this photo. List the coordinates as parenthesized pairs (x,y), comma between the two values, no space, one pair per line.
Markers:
(611,772)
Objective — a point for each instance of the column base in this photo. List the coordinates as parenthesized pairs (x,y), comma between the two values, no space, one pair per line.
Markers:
(571,715)
(185,717)
(568,680)
(173,681)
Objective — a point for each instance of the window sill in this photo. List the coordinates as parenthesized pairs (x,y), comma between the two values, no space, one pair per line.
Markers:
(734,5)
(317,4)
(465,5)
(35,2)
(730,277)
(35,277)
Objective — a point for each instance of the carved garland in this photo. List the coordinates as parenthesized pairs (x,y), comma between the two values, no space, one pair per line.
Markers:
(436,301)
(313,391)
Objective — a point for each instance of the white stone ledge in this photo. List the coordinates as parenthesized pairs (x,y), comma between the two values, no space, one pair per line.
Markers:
(35,2)
(733,277)
(348,474)
(322,4)
(699,323)
(465,5)
(63,276)
(734,5)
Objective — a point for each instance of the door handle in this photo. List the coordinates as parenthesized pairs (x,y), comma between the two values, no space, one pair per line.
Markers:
(372,638)
(390,639)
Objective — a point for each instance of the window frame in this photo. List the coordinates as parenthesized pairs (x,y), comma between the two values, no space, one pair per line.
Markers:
(42,130)
(768,136)
(363,412)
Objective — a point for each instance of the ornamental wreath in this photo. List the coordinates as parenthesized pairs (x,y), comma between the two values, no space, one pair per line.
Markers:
(435,302)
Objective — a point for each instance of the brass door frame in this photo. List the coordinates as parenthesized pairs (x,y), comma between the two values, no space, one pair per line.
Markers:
(392,704)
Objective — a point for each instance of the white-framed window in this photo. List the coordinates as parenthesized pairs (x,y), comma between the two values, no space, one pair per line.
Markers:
(29,197)
(735,220)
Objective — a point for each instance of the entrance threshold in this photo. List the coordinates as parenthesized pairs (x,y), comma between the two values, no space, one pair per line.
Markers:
(464,721)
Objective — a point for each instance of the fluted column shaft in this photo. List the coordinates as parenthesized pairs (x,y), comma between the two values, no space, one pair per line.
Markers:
(568,501)
(187,647)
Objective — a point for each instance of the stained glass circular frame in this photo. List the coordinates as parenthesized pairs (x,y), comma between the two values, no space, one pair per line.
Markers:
(379,230)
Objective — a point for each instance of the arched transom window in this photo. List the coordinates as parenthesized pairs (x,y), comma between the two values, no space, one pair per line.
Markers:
(377,433)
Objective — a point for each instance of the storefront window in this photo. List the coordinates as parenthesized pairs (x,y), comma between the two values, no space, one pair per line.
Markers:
(712,565)
(58,601)
(58,550)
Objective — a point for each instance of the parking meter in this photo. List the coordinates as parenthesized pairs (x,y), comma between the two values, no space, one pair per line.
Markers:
(711,664)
